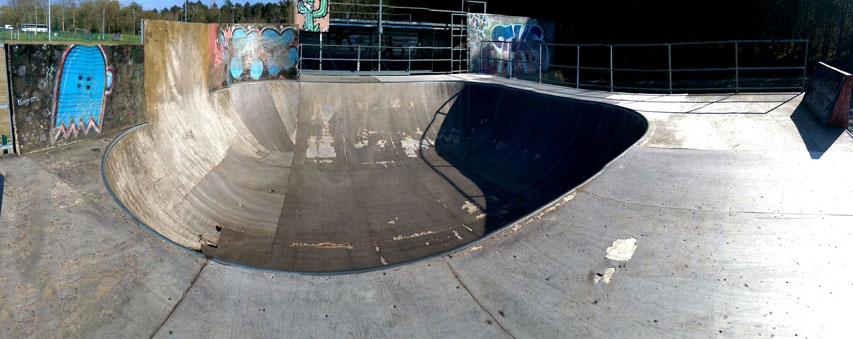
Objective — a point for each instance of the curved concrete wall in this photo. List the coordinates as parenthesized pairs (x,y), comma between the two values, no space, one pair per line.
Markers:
(333,176)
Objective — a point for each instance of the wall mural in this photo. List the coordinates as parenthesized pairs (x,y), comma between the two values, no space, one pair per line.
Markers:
(312,15)
(84,83)
(252,52)
(494,40)
(63,94)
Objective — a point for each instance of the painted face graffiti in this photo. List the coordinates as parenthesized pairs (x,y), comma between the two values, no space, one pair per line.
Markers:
(84,82)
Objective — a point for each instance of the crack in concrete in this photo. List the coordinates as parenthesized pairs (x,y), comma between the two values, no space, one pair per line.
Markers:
(495,320)
(183,295)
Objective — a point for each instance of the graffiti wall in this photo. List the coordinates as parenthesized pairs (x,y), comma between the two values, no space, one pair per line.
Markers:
(495,40)
(252,52)
(312,15)
(65,93)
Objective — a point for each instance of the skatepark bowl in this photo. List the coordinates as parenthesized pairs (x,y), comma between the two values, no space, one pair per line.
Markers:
(328,176)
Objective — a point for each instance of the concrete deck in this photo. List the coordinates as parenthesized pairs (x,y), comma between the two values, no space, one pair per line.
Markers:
(740,207)
(742,220)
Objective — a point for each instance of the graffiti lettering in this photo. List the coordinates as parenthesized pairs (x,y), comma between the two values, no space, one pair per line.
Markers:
(502,43)
(84,81)
(246,53)
(25,102)
(312,15)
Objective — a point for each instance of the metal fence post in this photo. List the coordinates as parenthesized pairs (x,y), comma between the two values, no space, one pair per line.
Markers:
(578,69)
(510,64)
(611,68)
(669,63)
(410,59)
(737,71)
(358,59)
(540,62)
(321,51)
(805,66)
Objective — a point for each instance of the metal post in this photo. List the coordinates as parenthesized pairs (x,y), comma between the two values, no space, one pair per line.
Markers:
(805,66)
(540,62)
(410,59)
(379,50)
(321,51)
(358,59)
(49,22)
(669,62)
(578,69)
(737,72)
(509,73)
(611,68)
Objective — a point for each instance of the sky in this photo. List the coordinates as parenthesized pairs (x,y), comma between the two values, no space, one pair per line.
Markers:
(160,4)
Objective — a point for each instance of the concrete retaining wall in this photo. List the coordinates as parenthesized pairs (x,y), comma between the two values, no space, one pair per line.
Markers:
(6,139)
(829,95)
(62,94)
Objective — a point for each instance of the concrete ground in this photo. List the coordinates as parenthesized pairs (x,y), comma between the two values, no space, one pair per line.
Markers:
(741,208)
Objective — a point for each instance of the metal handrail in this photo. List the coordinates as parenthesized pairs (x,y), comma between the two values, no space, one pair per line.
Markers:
(669,70)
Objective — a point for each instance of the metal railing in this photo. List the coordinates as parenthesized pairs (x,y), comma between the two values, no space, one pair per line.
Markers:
(369,59)
(515,59)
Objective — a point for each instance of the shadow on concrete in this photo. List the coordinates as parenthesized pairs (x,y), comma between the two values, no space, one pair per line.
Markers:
(817,137)
(522,161)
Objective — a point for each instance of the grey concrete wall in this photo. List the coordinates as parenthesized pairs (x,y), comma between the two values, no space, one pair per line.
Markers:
(62,94)
(6,139)
(829,95)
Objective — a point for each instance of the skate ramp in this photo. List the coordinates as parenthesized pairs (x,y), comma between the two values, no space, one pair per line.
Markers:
(349,174)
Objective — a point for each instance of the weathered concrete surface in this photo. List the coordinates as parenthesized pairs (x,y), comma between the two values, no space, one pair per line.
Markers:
(741,228)
(325,176)
(73,264)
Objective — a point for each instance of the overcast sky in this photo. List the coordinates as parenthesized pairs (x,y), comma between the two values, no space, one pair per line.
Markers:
(160,4)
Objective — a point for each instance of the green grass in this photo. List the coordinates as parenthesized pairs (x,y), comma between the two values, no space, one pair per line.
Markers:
(65,37)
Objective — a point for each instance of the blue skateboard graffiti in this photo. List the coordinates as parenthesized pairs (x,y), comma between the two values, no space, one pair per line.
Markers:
(84,82)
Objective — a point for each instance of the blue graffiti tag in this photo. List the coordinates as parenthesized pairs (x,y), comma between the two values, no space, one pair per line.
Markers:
(263,54)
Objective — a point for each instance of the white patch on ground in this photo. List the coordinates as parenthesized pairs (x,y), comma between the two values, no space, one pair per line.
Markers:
(622,249)
(467,228)
(457,235)
(322,148)
(380,144)
(470,207)
(393,221)
(381,259)
(607,276)
(395,103)
(415,235)
(360,144)
(410,146)
(569,196)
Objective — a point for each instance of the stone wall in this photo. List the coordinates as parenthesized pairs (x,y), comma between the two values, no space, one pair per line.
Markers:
(62,94)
